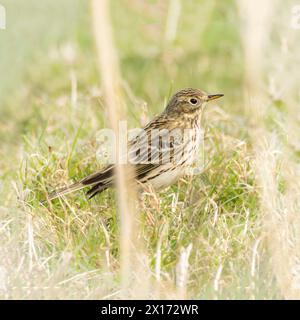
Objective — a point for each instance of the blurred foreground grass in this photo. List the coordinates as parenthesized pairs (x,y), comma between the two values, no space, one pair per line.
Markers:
(49,118)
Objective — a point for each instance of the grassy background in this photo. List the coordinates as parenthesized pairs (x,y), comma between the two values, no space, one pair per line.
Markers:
(51,108)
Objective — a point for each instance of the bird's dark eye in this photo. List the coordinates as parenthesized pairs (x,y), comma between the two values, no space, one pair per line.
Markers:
(193,101)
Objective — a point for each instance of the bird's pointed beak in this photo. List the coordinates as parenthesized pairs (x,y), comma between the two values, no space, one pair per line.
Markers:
(214,96)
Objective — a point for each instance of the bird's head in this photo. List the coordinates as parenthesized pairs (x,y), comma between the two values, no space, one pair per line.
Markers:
(189,100)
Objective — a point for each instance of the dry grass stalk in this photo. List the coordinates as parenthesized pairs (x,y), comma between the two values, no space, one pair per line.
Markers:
(278,208)
(255,28)
(173,16)
(111,79)
(182,269)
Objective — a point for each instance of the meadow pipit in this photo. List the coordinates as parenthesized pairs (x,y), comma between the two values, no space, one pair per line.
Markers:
(162,151)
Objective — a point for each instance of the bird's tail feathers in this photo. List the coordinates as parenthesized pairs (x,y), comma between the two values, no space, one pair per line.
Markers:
(66,190)
(99,181)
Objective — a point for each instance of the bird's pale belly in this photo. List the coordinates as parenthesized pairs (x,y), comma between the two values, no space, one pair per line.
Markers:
(167,178)
(169,173)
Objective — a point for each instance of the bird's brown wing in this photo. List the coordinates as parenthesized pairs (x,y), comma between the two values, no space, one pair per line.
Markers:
(137,155)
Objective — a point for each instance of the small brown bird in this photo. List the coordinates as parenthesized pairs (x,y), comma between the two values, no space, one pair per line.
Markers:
(162,152)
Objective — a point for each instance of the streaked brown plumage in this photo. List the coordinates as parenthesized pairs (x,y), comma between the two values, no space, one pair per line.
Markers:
(163,162)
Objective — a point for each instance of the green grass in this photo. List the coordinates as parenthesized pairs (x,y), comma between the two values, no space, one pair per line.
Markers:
(48,142)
